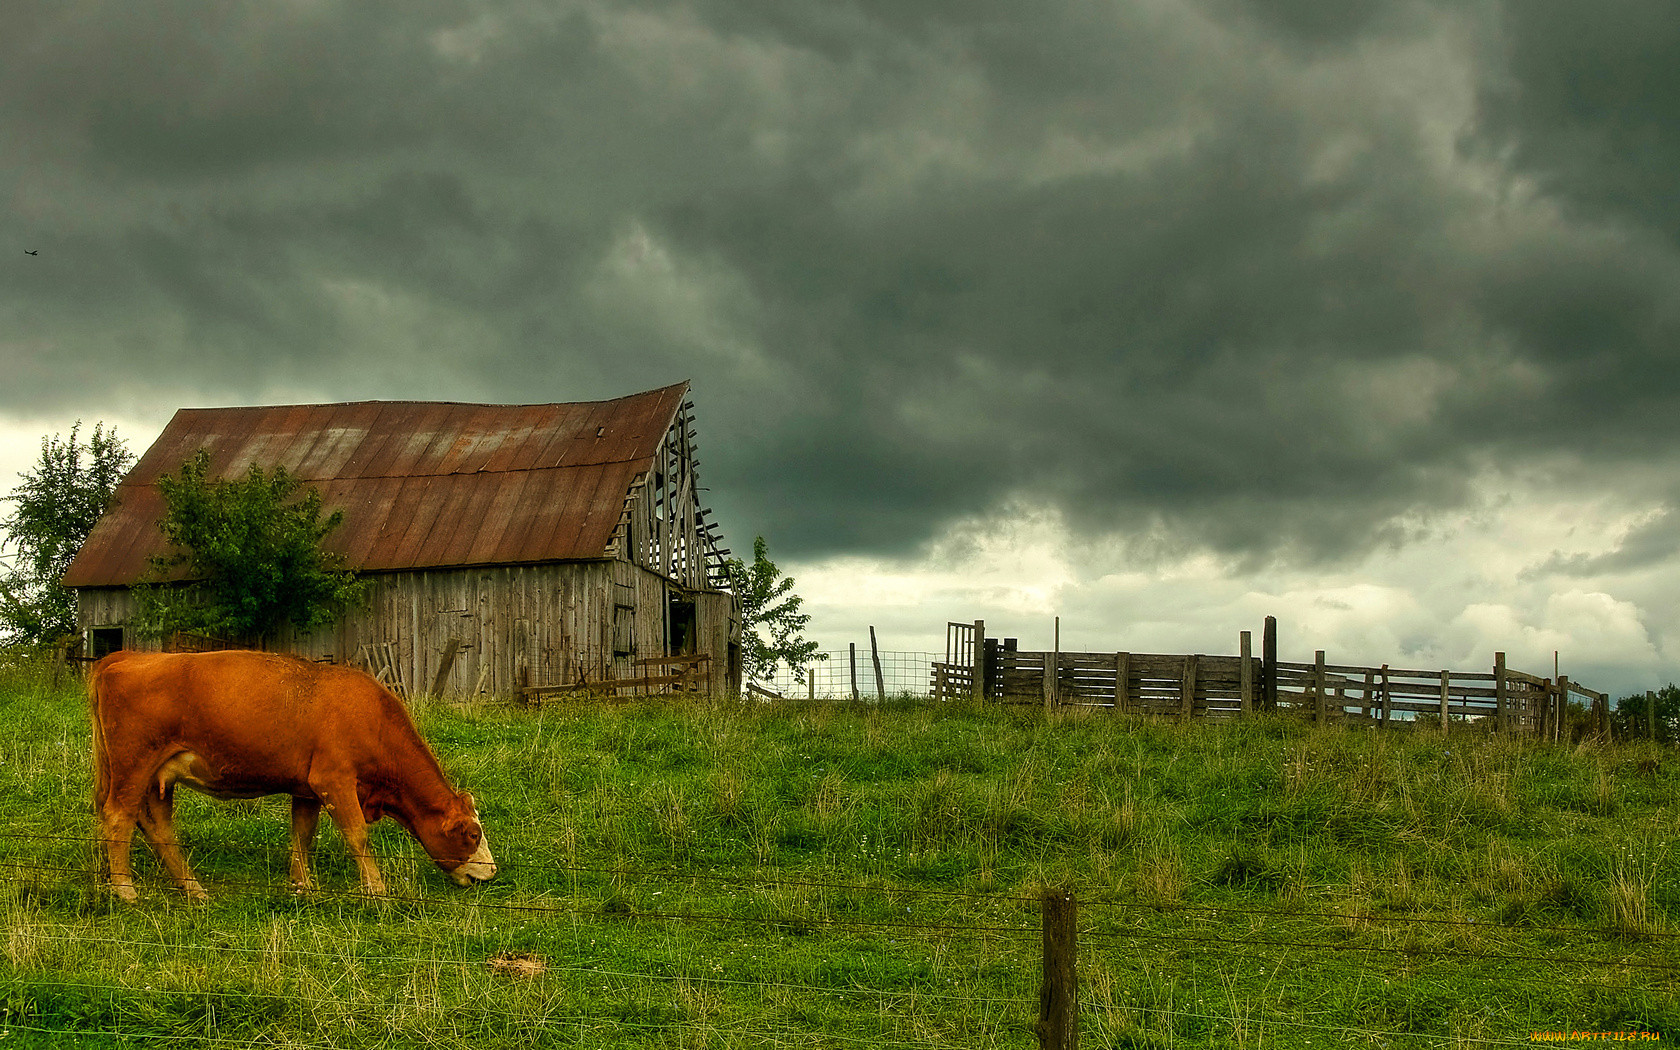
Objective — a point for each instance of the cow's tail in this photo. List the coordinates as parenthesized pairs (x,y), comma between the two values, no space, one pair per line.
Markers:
(101,762)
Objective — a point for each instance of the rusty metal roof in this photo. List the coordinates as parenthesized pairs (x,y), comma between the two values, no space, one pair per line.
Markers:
(421,484)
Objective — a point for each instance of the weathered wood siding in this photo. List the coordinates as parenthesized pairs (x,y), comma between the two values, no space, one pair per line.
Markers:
(507,625)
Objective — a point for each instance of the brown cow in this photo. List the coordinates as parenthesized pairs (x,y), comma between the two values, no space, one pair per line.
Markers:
(245,724)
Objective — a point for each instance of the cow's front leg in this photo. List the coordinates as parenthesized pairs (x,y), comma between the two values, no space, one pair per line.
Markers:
(306,812)
(346,811)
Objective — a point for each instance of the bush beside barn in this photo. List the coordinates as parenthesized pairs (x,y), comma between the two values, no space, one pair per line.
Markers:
(509,546)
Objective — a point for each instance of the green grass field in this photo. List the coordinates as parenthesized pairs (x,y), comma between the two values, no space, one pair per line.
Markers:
(720,875)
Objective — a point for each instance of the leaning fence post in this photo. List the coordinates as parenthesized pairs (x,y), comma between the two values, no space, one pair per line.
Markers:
(875,658)
(852,651)
(1058,996)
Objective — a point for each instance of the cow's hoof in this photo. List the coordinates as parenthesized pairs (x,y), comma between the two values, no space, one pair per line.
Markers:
(124,892)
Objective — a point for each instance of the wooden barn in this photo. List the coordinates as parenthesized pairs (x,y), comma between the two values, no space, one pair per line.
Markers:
(511,546)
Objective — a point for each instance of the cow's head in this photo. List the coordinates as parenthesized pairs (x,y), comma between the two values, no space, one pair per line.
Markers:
(459,847)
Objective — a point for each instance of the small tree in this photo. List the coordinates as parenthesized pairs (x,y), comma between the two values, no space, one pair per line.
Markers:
(768,602)
(250,553)
(56,506)
(1631,719)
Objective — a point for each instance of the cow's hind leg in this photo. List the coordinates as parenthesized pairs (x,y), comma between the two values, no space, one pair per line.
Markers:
(305,813)
(116,828)
(157,820)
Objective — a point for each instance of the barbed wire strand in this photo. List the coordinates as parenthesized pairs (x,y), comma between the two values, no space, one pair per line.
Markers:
(483,963)
(479,902)
(1385,949)
(777,1037)
(620,872)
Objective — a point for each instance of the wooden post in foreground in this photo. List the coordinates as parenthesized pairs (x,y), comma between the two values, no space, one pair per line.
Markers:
(979,659)
(1058,996)
(852,649)
(1446,685)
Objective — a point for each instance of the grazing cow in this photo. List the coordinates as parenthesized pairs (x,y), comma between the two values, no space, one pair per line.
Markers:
(245,724)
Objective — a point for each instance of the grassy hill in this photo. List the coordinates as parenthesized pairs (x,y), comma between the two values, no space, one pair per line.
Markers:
(723,874)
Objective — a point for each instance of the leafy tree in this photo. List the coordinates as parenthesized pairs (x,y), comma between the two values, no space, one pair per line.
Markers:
(768,602)
(56,506)
(1630,719)
(250,554)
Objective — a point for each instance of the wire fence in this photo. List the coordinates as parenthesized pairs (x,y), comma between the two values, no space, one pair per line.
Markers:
(849,674)
(168,994)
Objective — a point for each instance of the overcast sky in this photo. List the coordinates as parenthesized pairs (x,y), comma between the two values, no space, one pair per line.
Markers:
(1157,315)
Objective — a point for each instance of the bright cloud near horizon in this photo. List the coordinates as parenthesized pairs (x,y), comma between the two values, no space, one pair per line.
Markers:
(1159,316)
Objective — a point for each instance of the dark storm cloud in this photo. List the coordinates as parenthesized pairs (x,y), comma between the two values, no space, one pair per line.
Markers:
(1262,274)
(1588,103)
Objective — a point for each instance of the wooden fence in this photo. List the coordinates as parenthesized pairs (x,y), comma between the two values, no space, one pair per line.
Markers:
(1221,687)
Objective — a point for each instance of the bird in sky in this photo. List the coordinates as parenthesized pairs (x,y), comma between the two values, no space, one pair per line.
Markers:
(26,251)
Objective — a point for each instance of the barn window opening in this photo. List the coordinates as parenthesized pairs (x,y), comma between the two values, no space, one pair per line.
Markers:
(103,641)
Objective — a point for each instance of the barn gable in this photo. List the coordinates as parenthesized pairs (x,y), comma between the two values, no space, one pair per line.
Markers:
(441,492)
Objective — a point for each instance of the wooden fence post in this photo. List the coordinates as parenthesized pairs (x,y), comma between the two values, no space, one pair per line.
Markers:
(1187,703)
(852,651)
(1385,697)
(1050,669)
(1563,708)
(1320,706)
(1499,692)
(1245,675)
(875,657)
(1268,665)
(979,657)
(1122,677)
(1446,682)
(1058,996)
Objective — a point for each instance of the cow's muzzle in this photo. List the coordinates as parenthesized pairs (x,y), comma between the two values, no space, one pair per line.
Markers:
(480,867)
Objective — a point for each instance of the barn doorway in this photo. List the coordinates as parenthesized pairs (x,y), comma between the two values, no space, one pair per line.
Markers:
(103,641)
(682,632)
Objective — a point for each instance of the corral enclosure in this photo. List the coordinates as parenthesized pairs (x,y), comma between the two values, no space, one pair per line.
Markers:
(1194,685)
(510,546)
